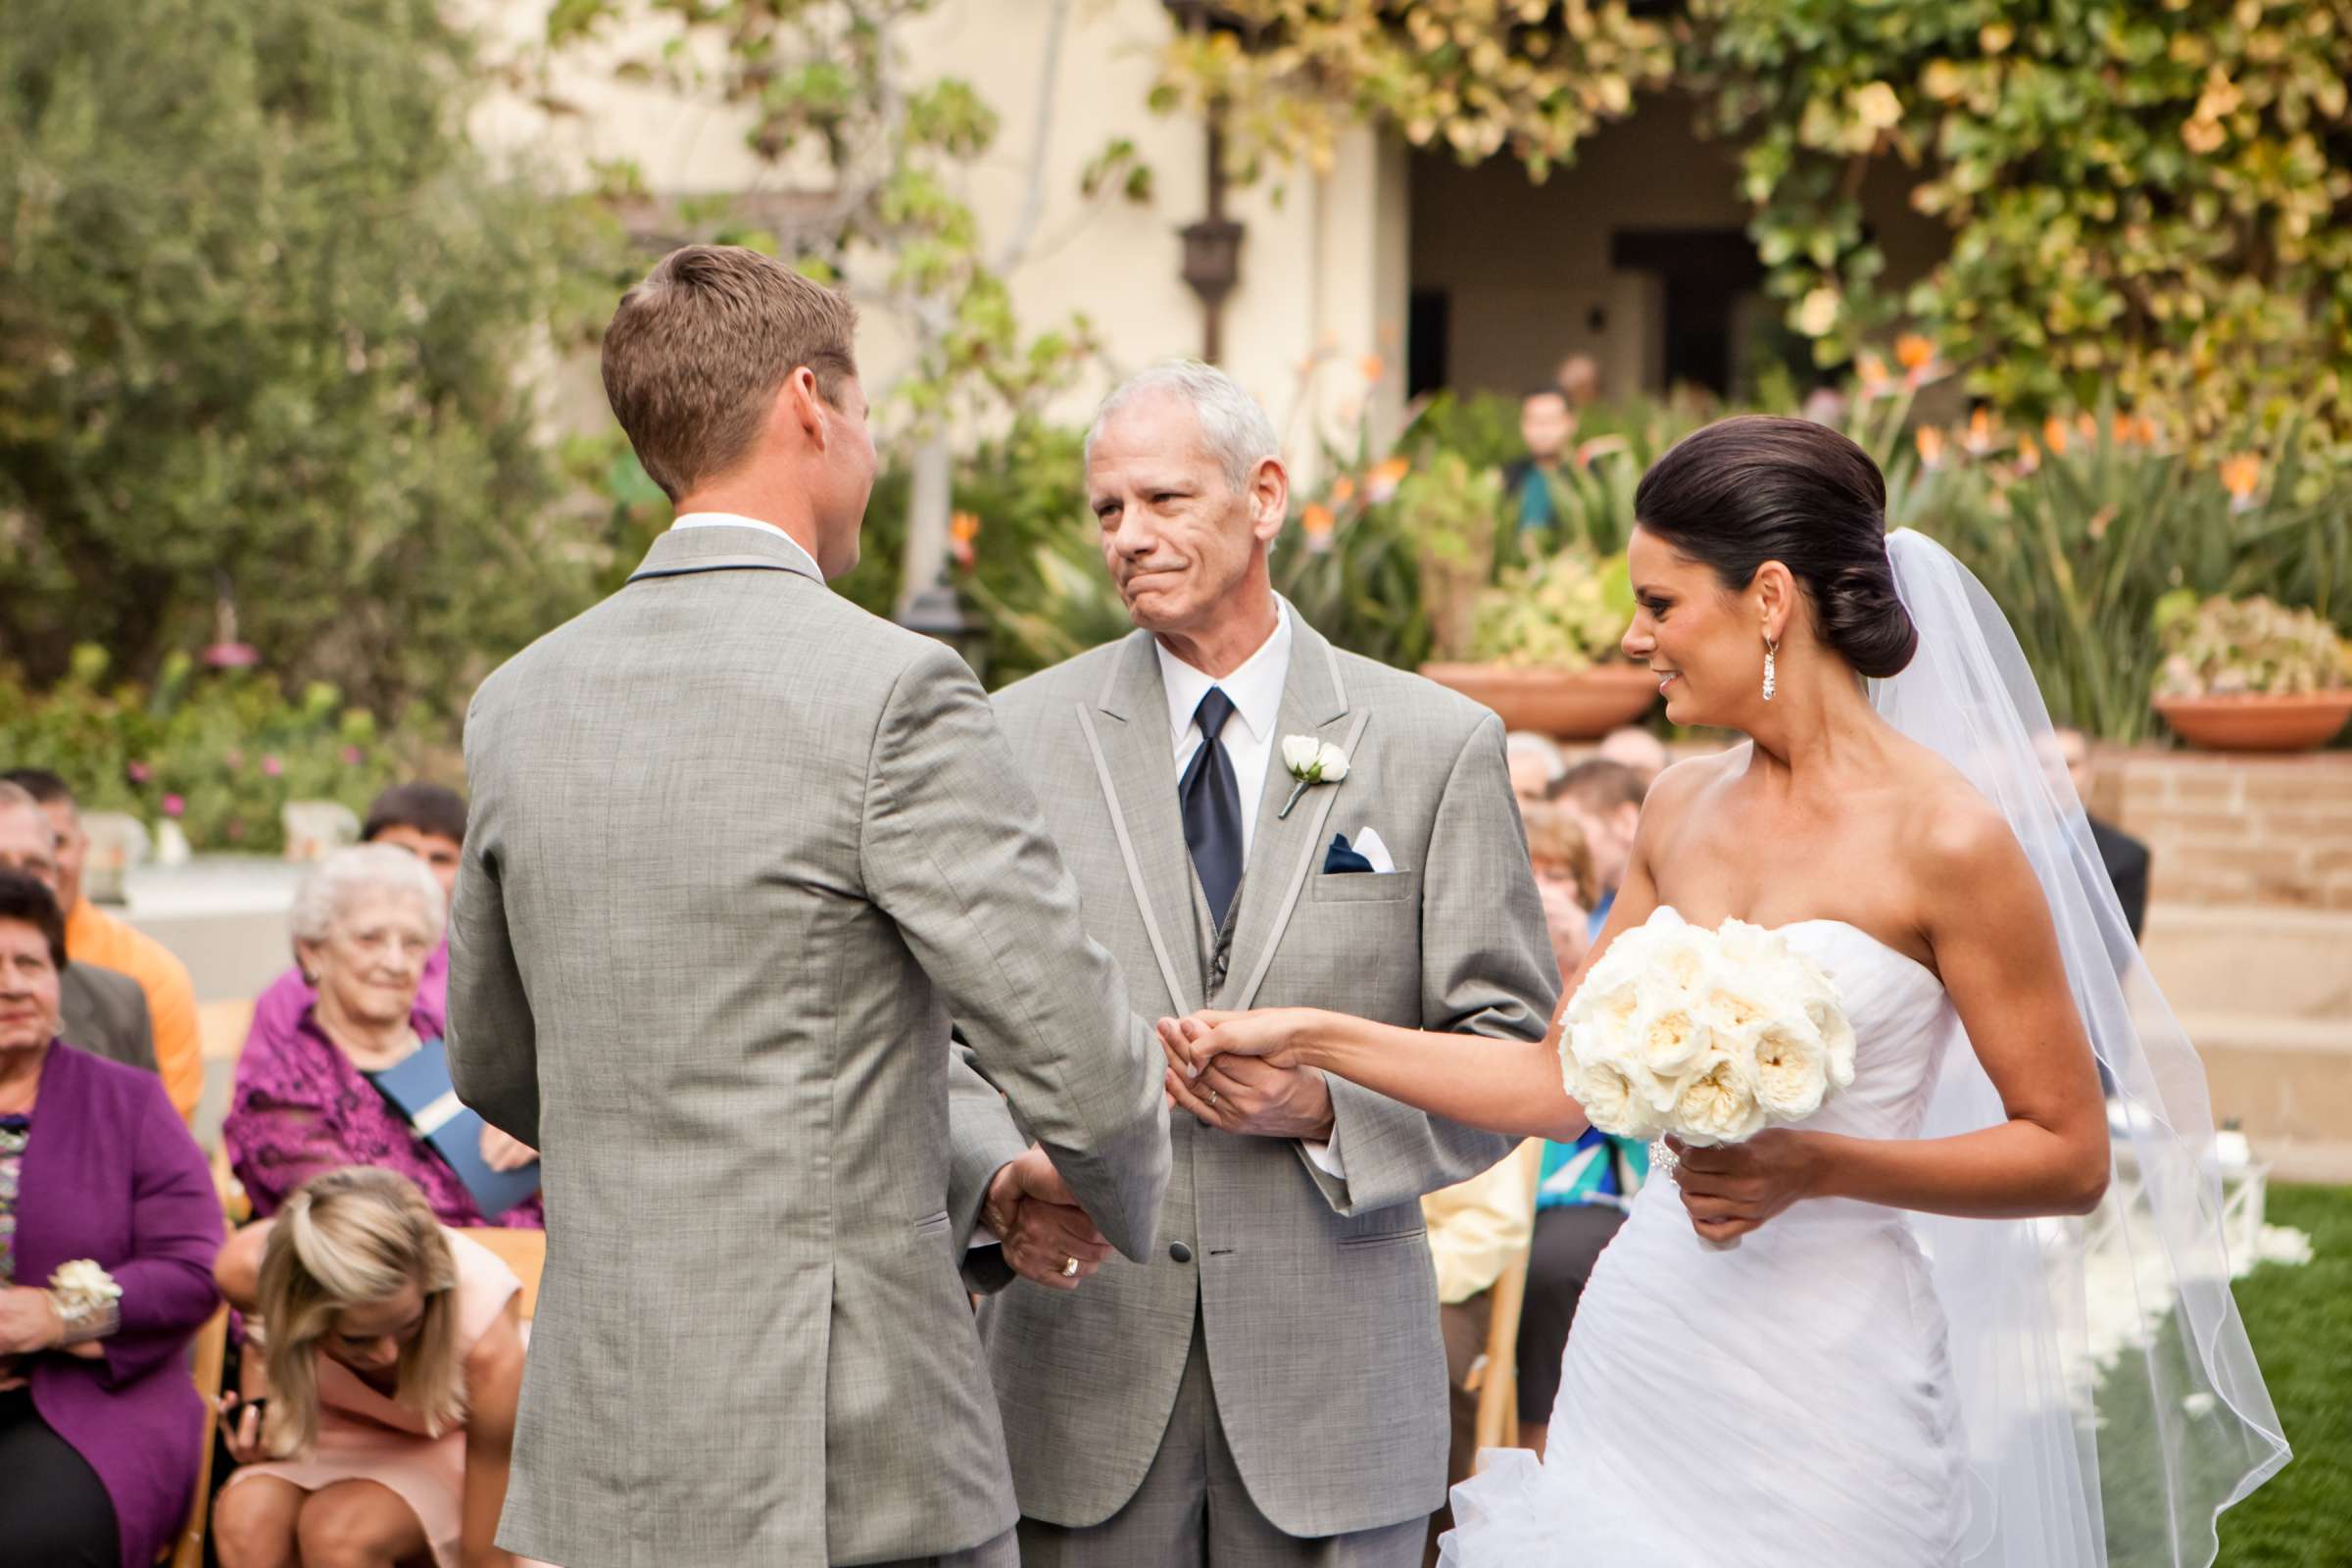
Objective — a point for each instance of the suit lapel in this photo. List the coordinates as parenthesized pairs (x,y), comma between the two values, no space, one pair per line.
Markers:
(1284,850)
(1127,731)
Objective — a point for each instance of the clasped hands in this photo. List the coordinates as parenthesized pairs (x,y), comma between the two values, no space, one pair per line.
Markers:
(1228,1070)
(1045,1233)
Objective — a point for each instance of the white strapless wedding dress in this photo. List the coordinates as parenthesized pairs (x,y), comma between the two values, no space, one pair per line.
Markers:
(1785,1401)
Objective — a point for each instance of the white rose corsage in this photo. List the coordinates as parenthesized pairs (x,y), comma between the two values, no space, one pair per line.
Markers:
(87,1300)
(1311,761)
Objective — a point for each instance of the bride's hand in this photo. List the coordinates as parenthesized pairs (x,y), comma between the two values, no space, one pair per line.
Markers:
(1731,1188)
(1270,1034)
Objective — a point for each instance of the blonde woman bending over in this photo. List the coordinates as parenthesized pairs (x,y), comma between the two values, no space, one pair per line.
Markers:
(393,1351)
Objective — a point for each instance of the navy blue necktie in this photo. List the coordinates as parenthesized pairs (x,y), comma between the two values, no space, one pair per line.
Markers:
(1212,807)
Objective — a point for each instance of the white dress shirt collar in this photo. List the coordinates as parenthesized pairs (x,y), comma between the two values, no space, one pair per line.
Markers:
(731,520)
(1256,688)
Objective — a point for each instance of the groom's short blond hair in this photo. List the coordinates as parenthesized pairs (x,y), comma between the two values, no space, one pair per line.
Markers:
(695,352)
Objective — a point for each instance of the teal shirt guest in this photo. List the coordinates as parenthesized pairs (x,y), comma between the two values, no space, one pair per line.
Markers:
(1597,1168)
(1546,425)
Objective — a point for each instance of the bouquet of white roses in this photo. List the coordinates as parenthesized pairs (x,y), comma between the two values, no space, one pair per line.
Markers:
(1709,1035)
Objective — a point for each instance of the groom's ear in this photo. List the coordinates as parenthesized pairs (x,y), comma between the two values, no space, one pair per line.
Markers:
(799,401)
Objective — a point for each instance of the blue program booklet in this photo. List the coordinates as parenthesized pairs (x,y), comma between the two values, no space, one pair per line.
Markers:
(419,1088)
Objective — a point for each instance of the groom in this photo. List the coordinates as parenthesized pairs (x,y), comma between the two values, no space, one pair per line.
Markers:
(738,852)
(1268,1385)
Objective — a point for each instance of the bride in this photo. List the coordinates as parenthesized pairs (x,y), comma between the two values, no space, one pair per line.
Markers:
(1861,1339)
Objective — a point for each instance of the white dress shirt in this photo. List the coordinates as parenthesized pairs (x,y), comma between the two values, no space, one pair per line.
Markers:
(731,520)
(1255,692)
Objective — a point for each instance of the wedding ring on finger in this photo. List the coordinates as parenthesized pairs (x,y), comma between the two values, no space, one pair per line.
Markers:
(1069,1268)
(1212,1099)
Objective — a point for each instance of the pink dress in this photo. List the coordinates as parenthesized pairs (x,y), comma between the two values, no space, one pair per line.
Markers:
(368,1436)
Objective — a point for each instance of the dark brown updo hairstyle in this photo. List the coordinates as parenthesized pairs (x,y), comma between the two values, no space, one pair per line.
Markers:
(1756,488)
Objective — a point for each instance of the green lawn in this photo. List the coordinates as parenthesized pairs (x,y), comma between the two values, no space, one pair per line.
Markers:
(2300,1320)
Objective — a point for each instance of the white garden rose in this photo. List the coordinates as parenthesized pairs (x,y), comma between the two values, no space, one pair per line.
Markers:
(1718,1104)
(1792,1070)
(1837,1032)
(1670,1043)
(1607,1097)
(1747,945)
(1331,763)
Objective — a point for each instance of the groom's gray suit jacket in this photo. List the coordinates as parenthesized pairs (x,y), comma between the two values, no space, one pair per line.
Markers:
(1317,1298)
(738,852)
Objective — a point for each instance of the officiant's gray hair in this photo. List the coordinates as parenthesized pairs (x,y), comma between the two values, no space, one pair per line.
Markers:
(319,902)
(1234,428)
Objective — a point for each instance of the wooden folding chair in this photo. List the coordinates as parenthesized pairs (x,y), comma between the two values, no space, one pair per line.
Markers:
(210,1352)
(523,1251)
(1496,1379)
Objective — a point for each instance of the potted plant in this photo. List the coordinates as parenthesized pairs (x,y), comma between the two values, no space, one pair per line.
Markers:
(1539,648)
(2250,676)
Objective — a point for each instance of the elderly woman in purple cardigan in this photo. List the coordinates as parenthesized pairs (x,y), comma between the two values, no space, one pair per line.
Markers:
(366,921)
(108,1230)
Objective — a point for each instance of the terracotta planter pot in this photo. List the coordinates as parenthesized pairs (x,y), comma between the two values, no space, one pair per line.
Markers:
(2257,723)
(1575,705)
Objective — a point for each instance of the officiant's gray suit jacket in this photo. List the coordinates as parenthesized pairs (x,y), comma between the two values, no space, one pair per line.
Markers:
(738,852)
(1317,1298)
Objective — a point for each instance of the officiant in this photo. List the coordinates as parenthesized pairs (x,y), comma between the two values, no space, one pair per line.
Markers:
(362,1079)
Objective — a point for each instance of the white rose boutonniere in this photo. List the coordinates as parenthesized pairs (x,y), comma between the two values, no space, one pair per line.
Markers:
(1311,761)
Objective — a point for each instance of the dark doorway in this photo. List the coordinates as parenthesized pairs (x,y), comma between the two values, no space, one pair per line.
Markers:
(1704,273)
(1426,317)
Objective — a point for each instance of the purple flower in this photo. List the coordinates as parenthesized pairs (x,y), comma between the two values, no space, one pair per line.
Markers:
(272,767)
(139,773)
(352,756)
(174,805)
(233,656)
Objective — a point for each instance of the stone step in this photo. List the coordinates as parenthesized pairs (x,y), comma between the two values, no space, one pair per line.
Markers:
(2323,1162)
(2250,958)
(2283,1081)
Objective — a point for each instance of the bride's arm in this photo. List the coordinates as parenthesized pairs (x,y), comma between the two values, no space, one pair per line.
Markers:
(1505,1086)
(1997,950)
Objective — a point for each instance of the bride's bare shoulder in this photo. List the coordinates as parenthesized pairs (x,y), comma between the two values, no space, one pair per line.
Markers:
(1693,780)
(1950,828)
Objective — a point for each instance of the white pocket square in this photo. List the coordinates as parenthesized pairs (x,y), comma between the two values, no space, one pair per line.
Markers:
(1368,845)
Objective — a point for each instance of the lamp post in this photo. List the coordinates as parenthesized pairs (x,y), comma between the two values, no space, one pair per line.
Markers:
(1212,246)
(938,612)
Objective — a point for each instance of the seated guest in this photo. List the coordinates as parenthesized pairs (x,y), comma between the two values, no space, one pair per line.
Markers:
(1477,1230)
(429,822)
(93,936)
(1584,1187)
(108,1230)
(390,1351)
(1636,749)
(103,1012)
(1564,876)
(1605,798)
(1582,1197)
(1535,765)
(2126,858)
(332,1095)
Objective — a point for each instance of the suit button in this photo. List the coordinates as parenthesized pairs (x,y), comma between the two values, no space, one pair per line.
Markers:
(1180,1253)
